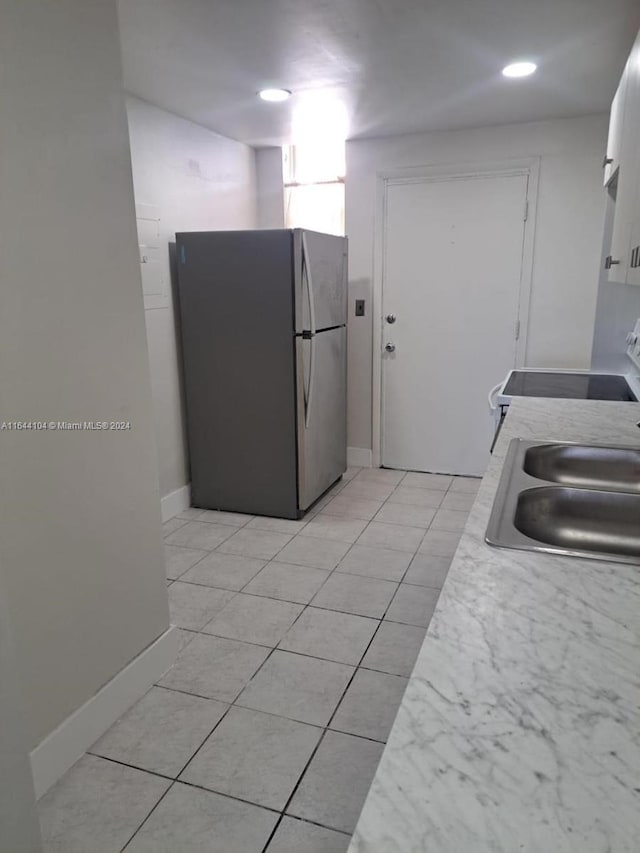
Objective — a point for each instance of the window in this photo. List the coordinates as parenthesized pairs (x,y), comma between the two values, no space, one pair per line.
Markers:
(314,185)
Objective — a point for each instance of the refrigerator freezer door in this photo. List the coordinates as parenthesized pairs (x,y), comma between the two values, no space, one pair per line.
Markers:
(321,264)
(322,415)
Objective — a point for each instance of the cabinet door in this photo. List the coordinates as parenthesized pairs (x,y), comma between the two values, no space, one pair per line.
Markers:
(633,276)
(615,131)
(626,179)
(632,135)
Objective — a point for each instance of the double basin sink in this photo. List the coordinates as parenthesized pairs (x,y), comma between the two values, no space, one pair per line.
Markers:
(572,499)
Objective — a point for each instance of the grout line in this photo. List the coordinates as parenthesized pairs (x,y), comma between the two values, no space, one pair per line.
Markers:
(169,787)
(298,654)
(132,766)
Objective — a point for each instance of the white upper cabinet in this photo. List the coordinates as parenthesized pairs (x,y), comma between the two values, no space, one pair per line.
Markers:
(623,174)
(633,66)
(612,157)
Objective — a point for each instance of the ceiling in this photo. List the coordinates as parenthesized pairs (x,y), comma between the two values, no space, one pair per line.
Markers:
(398,66)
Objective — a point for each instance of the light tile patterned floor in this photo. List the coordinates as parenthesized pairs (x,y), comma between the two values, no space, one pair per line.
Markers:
(297,639)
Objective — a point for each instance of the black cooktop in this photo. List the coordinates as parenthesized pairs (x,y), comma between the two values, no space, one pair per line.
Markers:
(574,386)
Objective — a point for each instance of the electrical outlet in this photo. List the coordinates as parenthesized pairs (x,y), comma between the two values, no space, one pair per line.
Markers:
(359,307)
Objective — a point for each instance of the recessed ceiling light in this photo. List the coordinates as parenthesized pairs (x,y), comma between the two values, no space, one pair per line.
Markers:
(274,95)
(519,69)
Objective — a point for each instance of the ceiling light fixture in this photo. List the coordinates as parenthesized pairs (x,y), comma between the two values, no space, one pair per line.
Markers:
(274,96)
(519,69)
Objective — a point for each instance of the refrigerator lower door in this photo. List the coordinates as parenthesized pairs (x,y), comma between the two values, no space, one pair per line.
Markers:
(322,412)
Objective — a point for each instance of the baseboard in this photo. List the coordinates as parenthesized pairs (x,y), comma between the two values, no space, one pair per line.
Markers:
(175,502)
(358,457)
(66,744)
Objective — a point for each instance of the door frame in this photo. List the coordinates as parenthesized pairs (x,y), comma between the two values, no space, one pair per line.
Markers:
(529,166)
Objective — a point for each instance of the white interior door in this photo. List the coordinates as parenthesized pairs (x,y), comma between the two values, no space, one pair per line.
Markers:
(453,251)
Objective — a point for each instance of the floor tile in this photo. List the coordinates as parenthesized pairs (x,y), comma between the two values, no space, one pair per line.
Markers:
(416,516)
(335,489)
(397,537)
(97,806)
(449,519)
(350,507)
(177,560)
(214,667)
(254,619)
(394,648)
(428,570)
(334,788)
(288,583)
(332,527)
(190,820)
(277,525)
(459,500)
(172,524)
(324,499)
(417,480)
(427,498)
(440,543)
(190,513)
(470,485)
(413,605)
(162,731)
(225,571)
(355,594)
(367,489)
(326,634)
(298,687)
(185,637)
(370,704)
(375,563)
(192,606)
(298,836)
(309,551)
(233,519)
(254,756)
(200,534)
(388,476)
(263,544)
(350,473)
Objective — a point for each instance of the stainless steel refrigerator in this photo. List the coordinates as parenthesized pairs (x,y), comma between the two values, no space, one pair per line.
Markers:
(263,319)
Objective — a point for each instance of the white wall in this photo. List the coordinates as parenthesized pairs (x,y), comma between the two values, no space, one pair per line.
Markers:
(80,539)
(198,180)
(567,242)
(270,188)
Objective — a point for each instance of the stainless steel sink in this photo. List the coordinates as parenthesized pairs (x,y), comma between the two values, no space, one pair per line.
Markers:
(570,499)
(581,519)
(587,466)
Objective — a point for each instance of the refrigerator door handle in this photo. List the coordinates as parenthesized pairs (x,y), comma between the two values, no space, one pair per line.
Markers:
(312,349)
(312,329)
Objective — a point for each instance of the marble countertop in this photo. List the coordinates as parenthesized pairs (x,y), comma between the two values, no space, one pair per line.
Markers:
(519,731)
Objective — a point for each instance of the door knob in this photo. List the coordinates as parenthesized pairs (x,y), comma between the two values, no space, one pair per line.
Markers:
(390,318)
(390,347)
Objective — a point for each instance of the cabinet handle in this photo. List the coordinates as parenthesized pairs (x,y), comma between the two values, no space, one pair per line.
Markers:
(610,262)
(606,161)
